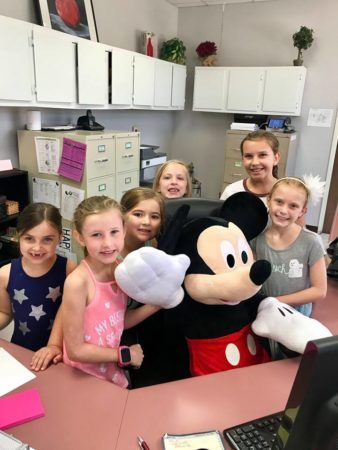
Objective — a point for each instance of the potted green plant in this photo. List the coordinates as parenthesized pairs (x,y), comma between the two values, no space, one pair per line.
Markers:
(173,50)
(207,51)
(302,40)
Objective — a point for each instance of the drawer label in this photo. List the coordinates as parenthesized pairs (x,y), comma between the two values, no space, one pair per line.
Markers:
(238,164)
(102,187)
(128,145)
(127,180)
(101,148)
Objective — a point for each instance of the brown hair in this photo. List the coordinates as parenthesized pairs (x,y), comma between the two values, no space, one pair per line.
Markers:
(35,213)
(93,205)
(294,182)
(270,138)
(134,196)
(162,168)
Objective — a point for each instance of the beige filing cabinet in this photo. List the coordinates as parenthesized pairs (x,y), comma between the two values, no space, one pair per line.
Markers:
(234,169)
(112,164)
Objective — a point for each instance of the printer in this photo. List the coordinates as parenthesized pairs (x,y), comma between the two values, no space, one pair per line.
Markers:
(150,161)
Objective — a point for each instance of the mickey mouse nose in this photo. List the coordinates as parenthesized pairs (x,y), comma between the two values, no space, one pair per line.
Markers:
(260,271)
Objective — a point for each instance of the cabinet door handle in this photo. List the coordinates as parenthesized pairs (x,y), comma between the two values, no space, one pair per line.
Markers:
(236,149)
(237,174)
(101,160)
(130,156)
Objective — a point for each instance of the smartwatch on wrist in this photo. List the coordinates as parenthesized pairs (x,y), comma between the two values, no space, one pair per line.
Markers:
(124,356)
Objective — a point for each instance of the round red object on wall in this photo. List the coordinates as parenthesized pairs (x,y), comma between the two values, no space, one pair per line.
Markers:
(69,12)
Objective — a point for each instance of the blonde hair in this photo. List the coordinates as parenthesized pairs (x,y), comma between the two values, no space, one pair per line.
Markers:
(270,138)
(156,184)
(133,197)
(294,182)
(93,205)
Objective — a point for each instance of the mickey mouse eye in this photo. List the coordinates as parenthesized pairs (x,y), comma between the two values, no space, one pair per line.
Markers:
(244,250)
(228,253)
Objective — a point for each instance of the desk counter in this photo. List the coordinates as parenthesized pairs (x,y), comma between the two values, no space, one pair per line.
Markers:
(82,412)
(85,413)
(209,402)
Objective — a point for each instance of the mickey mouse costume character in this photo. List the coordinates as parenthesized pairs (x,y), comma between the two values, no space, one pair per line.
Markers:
(222,313)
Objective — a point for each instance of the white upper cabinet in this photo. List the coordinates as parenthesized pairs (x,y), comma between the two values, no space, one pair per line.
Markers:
(92,73)
(210,88)
(16,54)
(55,71)
(245,89)
(283,90)
(163,83)
(47,68)
(122,77)
(259,90)
(178,86)
(144,80)
(170,81)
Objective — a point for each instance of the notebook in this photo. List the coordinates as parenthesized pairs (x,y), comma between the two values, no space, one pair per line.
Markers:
(19,408)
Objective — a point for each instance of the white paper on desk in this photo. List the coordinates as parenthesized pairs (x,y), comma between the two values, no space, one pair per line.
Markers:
(12,373)
(210,440)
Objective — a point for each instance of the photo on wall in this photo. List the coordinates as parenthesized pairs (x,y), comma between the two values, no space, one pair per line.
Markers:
(74,17)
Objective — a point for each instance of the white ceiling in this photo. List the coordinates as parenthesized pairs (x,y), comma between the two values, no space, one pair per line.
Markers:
(186,3)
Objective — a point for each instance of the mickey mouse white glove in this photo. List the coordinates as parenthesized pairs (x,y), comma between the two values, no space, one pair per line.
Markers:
(284,324)
(150,276)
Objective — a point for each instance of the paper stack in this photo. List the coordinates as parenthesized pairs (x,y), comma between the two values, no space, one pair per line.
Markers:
(244,126)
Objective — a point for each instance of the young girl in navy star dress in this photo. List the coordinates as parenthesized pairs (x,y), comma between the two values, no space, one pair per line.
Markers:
(31,286)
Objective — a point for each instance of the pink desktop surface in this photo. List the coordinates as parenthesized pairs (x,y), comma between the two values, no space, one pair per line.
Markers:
(205,403)
(81,411)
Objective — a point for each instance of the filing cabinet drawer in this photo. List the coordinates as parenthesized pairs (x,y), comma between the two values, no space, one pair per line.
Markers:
(233,146)
(234,170)
(100,157)
(101,186)
(127,153)
(126,181)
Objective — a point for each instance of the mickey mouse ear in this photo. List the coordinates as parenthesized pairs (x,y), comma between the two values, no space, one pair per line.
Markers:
(247,211)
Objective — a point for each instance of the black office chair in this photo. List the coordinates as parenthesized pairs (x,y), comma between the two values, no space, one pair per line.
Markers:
(199,207)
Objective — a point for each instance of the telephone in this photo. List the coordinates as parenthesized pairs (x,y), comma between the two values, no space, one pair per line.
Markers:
(88,122)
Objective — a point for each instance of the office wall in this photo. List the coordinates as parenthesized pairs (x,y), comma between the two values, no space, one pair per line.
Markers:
(119,23)
(259,34)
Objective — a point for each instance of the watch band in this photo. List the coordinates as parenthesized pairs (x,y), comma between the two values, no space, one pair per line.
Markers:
(124,356)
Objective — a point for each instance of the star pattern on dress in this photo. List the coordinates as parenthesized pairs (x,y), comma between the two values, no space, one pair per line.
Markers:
(20,295)
(23,328)
(54,293)
(37,312)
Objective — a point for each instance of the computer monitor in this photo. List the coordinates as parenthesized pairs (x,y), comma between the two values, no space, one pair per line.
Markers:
(310,419)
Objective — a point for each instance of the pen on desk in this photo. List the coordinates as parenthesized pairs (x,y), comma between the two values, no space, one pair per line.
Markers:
(142,443)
